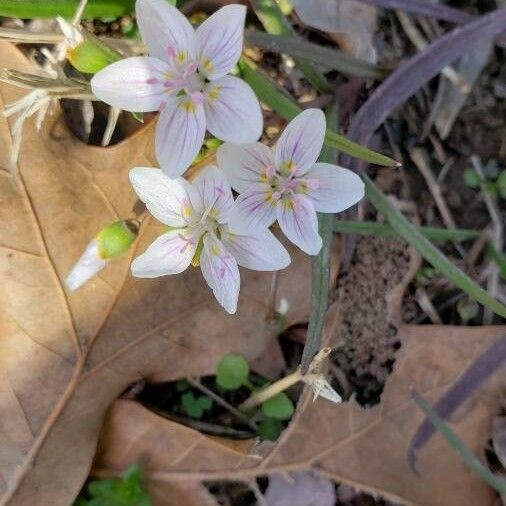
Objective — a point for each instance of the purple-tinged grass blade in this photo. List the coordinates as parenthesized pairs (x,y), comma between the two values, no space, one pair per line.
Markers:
(482,368)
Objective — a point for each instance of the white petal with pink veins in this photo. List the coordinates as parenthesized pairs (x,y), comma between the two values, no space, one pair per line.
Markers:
(232,110)
(211,195)
(179,135)
(301,142)
(171,253)
(298,221)
(133,84)
(246,165)
(259,251)
(221,273)
(332,188)
(166,199)
(165,31)
(220,39)
(254,210)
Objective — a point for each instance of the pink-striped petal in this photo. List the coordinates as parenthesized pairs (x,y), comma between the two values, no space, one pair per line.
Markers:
(298,221)
(254,210)
(300,143)
(259,251)
(179,135)
(232,111)
(133,84)
(245,166)
(211,195)
(166,199)
(171,253)
(220,40)
(221,273)
(166,32)
(332,188)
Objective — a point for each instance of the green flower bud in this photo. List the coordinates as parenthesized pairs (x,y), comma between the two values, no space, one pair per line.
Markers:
(91,56)
(116,238)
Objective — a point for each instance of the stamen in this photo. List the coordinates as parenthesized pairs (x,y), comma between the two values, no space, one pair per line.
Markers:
(152,80)
(197,97)
(312,183)
(190,70)
(171,52)
(270,171)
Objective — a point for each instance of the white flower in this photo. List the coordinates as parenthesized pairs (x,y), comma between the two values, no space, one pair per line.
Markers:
(286,183)
(86,267)
(185,78)
(198,217)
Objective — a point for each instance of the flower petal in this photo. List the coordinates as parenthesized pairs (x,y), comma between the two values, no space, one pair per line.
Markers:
(232,111)
(133,84)
(179,135)
(297,219)
(301,142)
(211,194)
(221,273)
(171,253)
(165,31)
(334,188)
(220,39)
(166,199)
(86,267)
(259,251)
(245,165)
(254,210)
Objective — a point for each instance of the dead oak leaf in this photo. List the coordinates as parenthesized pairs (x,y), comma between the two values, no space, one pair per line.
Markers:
(64,357)
(365,448)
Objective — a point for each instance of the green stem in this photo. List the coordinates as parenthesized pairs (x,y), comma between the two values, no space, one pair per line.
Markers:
(321,269)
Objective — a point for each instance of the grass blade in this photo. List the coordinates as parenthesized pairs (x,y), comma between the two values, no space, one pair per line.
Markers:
(278,100)
(321,55)
(455,442)
(385,230)
(29,9)
(432,254)
(321,268)
(275,22)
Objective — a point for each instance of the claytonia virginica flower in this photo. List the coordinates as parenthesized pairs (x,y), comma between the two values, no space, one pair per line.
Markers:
(185,77)
(198,216)
(286,183)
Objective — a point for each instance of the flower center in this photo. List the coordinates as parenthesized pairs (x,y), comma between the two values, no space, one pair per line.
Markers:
(282,184)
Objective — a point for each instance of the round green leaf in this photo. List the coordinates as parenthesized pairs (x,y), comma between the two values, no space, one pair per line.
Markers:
(279,407)
(270,429)
(231,372)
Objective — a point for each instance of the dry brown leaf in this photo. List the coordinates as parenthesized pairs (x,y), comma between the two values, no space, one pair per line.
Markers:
(363,448)
(65,357)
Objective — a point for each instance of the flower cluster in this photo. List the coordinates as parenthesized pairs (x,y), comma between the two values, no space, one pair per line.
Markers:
(185,78)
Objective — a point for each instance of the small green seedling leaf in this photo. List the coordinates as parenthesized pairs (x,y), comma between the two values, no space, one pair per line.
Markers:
(195,407)
(501,184)
(182,385)
(279,407)
(472,178)
(118,492)
(231,372)
(270,429)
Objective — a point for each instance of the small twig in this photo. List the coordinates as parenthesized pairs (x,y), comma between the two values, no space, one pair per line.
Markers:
(257,493)
(426,305)
(223,403)
(272,390)
(497,238)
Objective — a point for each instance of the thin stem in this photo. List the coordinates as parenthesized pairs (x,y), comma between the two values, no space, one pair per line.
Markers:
(223,403)
(273,295)
(270,391)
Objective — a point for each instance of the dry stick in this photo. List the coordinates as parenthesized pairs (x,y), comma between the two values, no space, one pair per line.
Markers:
(497,238)
(420,160)
(223,403)
(420,43)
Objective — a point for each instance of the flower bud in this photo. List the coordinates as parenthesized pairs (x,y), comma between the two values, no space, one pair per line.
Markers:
(91,55)
(110,242)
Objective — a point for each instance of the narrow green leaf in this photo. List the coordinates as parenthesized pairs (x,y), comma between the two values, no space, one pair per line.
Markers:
(321,267)
(432,254)
(278,100)
(29,9)
(329,58)
(275,22)
(456,443)
(385,230)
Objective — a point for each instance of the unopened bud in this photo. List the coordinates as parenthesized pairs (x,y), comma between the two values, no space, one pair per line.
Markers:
(91,56)
(110,242)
